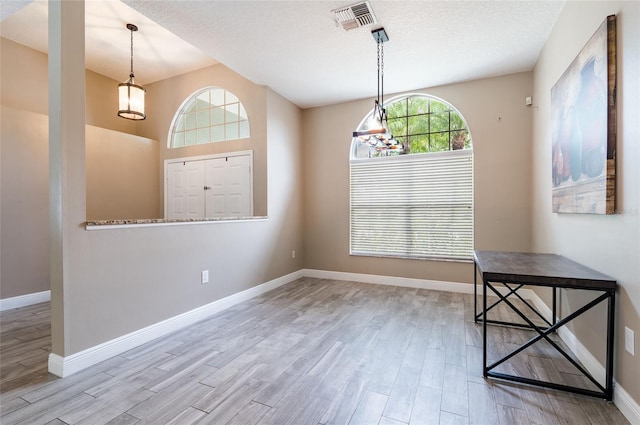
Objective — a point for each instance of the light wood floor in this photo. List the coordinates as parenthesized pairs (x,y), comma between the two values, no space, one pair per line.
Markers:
(311,352)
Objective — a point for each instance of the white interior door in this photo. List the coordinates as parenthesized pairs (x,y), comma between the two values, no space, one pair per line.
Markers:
(221,186)
(185,189)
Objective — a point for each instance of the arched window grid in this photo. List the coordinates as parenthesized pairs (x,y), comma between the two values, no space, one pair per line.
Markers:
(422,124)
(210,115)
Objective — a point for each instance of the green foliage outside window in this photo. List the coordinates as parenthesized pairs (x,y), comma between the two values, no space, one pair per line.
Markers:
(427,125)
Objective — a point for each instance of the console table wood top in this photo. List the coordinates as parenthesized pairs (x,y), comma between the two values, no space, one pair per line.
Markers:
(540,269)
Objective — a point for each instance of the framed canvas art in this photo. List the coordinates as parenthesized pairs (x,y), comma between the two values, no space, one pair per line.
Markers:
(583,125)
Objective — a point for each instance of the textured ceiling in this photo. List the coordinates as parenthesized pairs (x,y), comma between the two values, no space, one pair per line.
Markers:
(295,47)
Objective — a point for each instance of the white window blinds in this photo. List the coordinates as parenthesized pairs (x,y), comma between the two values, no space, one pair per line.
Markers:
(413,206)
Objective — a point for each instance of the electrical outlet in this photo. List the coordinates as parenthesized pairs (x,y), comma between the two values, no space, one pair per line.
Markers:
(629,341)
(204,276)
(293,254)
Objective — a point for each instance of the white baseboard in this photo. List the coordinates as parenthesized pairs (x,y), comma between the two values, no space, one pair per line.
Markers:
(25,300)
(68,365)
(627,405)
(436,285)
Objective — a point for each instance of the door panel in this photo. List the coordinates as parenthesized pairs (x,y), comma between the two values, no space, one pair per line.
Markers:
(239,186)
(185,183)
(215,179)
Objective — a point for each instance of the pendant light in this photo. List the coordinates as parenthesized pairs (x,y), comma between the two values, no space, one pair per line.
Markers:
(131,95)
(377,128)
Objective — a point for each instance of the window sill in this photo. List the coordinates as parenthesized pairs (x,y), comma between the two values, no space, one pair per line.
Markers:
(157,222)
(409,257)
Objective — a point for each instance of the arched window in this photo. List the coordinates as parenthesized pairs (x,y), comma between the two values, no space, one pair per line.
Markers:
(412,196)
(210,115)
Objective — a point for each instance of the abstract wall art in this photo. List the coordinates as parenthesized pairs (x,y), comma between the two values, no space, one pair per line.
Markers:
(583,123)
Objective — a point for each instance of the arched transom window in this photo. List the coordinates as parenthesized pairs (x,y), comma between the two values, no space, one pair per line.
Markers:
(412,196)
(210,115)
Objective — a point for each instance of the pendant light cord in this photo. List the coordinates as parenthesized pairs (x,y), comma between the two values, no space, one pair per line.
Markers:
(381,53)
(379,61)
(378,45)
(380,99)
(131,75)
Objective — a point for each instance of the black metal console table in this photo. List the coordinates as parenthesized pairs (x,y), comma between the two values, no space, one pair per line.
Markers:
(515,270)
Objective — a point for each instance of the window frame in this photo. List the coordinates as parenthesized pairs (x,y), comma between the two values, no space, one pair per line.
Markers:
(412,158)
(182,112)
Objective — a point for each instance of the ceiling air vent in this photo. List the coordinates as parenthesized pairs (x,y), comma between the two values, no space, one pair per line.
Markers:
(355,16)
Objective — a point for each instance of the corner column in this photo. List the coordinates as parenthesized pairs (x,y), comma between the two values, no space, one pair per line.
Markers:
(67,197)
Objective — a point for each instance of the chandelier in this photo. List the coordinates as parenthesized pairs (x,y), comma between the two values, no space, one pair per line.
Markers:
(376,131)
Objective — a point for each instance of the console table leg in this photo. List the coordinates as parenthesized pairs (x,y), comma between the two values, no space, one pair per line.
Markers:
(611,305)
(554,311)
(484,328)
(475,293)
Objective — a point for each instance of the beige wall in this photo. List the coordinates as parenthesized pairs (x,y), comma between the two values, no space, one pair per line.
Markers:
(123,180)
(29,67)
(24,196)
(166,96)
(500,125)
(24,261)
(114,161)
(24,77)
(609,244)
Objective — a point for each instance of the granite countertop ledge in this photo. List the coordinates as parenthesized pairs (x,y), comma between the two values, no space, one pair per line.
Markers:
(163,221)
